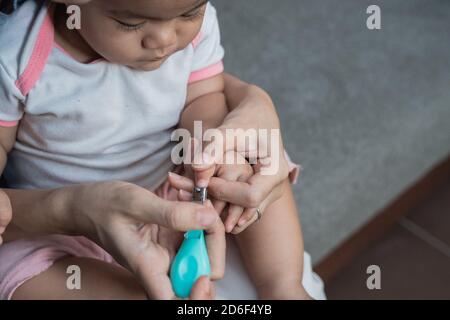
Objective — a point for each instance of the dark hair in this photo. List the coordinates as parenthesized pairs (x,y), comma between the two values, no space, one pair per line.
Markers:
(8,6)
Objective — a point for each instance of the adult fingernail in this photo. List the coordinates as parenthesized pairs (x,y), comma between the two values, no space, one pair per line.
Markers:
(206,217)
(242,221)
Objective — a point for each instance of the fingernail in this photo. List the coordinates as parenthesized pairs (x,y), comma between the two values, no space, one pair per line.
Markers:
(174,175)
(207,159)
(202,183)
(242,221)
(206,217)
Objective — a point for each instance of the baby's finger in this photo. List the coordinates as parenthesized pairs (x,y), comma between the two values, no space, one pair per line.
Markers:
(219,205)
(184,195)
(234,213)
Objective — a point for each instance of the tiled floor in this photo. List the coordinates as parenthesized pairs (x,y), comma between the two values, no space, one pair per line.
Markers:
(414,257)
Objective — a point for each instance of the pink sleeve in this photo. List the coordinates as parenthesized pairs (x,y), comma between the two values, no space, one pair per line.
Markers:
(208,55)
(207,72)
(294,169)
(8,123)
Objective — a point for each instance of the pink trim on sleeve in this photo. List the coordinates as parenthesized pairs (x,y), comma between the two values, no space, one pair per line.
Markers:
(39,56)
(206,73)
(8,123)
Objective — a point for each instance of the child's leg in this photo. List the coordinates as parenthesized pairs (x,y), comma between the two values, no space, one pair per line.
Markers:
(99,280)
(272,250)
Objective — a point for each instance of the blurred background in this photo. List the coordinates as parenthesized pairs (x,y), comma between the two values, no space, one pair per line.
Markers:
(367,115)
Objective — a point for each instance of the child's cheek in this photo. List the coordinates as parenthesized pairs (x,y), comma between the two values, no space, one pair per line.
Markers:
(187,33)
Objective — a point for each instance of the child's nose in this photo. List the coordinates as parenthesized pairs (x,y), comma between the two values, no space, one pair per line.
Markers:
(162,38)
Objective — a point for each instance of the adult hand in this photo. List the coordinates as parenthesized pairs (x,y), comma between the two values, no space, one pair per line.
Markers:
(138,229)
(251,109)
(270,169)
(232,216)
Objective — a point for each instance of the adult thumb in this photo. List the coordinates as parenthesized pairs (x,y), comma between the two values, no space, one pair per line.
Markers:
(175,215)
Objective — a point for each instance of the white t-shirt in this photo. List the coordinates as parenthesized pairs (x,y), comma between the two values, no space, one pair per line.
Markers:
(92,122)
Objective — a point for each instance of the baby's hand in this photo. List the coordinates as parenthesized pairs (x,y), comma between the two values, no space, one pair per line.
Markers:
(5,213)
(239,169)
(236,170)
(235,219)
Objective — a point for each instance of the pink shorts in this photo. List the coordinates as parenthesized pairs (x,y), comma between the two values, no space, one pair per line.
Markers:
(23,259)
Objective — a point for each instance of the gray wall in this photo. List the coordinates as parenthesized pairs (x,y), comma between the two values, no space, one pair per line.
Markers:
(366,113)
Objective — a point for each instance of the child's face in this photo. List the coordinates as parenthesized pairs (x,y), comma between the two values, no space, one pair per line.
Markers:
(140,34)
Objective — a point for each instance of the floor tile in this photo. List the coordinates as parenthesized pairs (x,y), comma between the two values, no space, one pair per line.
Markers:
(434,214)
(410,269)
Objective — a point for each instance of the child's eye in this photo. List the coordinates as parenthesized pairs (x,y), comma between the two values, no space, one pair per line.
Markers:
(192,15)
(129,27)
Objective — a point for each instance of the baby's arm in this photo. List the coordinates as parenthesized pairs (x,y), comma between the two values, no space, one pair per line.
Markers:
(205,102)
(7,139)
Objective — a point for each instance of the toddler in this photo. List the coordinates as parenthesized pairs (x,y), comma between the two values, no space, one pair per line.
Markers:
(101,102)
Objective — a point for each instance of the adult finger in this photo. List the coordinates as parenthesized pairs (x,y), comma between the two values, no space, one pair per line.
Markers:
(237,139)
(136,252)
(234,213)
(216,245)
(250,213)
(246,194)
(203,289)
(239,229)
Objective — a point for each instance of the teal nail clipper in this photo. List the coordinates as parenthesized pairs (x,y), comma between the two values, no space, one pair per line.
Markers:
(192,261)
